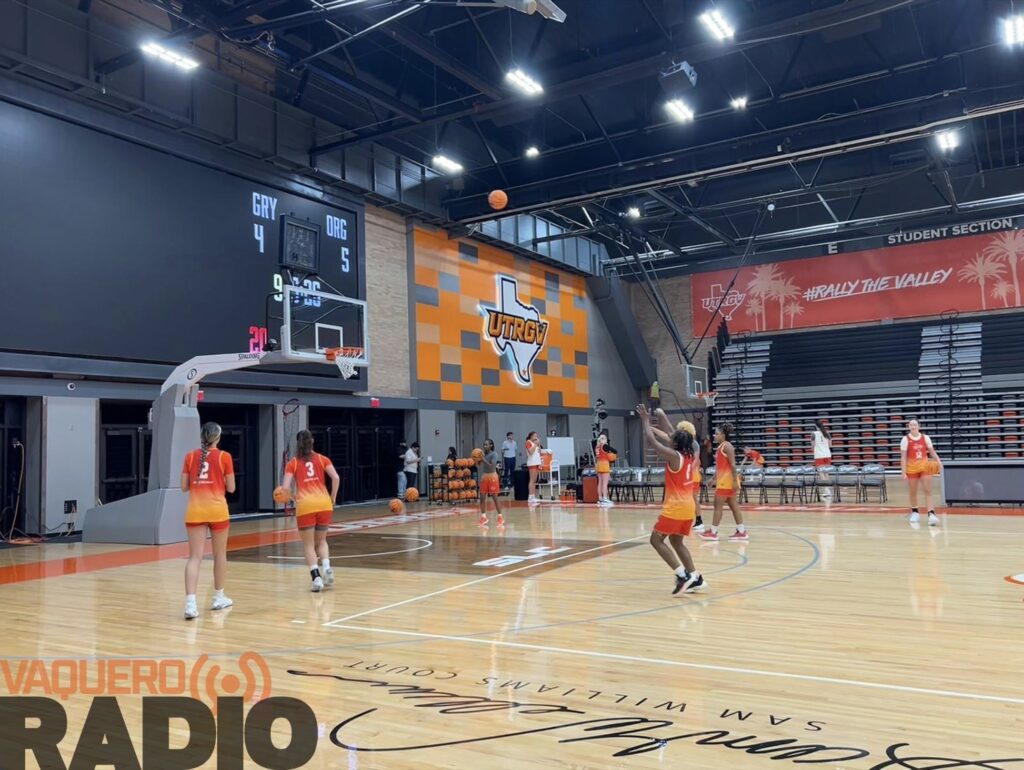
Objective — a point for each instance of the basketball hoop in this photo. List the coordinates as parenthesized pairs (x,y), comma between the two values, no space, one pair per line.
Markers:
(343,358)
(709,397)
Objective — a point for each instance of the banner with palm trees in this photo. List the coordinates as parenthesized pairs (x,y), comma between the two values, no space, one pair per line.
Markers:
(974,273)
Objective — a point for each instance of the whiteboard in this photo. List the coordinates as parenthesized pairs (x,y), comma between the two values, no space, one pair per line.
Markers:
(563,451)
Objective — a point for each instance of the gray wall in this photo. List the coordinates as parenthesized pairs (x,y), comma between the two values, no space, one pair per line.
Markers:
(608,377)
(520,423)
(436,446)
(70,467)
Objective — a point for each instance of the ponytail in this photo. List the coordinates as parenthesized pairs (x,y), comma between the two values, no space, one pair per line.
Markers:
(821,427)
(304,444)
(208,436)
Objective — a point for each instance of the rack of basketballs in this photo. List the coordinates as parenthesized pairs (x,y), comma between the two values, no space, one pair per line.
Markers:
(453,481)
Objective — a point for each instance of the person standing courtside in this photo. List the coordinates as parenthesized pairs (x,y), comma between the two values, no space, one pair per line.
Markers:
(412,465)
(403,482)
(509,449)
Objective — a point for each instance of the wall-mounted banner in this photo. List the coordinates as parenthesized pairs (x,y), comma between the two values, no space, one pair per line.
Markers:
(980,272)
(495,328)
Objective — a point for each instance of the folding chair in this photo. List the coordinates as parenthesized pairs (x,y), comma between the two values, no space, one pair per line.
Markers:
(751,478)
(772,478)
(873,477)
(655,478)
(793,480)
(847,477)
(707,483)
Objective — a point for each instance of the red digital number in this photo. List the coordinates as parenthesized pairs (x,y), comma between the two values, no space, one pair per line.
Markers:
(257,338)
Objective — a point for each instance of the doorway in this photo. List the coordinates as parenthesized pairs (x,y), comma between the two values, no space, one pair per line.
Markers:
(126,443)
(471,430)
(558,425)
(363,446)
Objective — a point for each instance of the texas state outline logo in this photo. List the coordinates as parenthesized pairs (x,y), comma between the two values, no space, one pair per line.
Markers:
(516,330)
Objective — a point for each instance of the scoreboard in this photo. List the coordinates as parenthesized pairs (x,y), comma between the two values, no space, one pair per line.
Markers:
(117,251)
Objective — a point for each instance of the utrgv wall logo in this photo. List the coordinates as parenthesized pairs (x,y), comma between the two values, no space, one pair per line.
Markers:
(515,329)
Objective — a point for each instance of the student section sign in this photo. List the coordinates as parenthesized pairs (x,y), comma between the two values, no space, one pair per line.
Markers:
(982,272)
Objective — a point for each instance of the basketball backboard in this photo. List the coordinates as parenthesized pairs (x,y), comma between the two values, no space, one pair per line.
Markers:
(314,322)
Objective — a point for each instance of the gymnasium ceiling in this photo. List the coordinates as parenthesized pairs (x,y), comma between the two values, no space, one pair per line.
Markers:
(844,99)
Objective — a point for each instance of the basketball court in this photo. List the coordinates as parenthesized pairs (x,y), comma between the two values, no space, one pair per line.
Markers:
(511,384)
(833,638)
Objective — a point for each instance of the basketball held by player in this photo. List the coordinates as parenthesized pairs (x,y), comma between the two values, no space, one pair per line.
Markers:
(604,456)
(490,484)
(307,472)
(533,464)
(678,511)
(207,476)
(915,450)
(727,487)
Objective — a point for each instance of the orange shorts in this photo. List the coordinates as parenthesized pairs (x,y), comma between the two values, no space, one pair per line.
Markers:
(215,526)
(725,493)
(489,484)
(321,520)
(667,526)
(820,462)
(917,469)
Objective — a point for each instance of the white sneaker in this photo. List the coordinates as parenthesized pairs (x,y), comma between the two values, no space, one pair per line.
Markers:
(191,611)
(698,528)
(329,577)
(532,501)
(221,603)
(933,520)
(915,517)
(318,585)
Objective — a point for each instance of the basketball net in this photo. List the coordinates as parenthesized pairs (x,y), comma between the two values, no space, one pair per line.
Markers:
(344,359)
(709,397)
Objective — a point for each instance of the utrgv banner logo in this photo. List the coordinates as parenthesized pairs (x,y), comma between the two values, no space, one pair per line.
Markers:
(515,329)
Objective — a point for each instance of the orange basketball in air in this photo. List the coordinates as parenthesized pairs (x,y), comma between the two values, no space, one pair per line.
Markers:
(412,495)
(395,505)
(498,199)
(282,495)
(932,468)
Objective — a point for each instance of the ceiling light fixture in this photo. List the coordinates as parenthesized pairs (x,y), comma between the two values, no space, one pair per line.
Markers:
(717,24)
(447,165)
(739,103)
(532,152)
(633,212)
(947,140)
(1013,30)
(679,110)
(171,57)
(524,82)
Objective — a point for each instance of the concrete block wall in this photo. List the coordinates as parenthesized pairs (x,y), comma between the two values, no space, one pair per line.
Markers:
(387,295)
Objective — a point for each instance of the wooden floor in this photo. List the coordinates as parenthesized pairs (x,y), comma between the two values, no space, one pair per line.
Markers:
(832,637)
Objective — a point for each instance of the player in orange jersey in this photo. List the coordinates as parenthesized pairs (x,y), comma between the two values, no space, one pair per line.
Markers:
(603,452)
(314,505)
(915,449)
(678,511)
(727,486)
(207,475)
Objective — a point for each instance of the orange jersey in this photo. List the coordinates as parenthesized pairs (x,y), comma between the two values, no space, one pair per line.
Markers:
(723,470)
(207,501)
(679,490)
(915,450)
(603,464)
(311,495)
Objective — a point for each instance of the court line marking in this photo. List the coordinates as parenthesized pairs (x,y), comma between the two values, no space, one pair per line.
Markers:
(378,553)
(699,666)
(482,580)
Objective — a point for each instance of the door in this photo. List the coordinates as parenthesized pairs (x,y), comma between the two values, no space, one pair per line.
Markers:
(558,425)
(472,430)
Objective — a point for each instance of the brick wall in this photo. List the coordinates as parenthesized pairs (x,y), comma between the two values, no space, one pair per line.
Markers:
(676,291)
(387,295)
